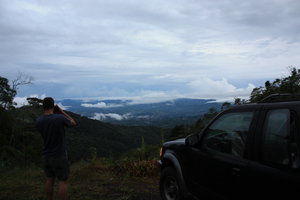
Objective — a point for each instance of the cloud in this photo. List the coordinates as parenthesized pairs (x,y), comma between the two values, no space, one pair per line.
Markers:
(161,47)
(205,87)
(100,105)
(97,105)
(148,96)
(140,97)
(22,101)
(115,116)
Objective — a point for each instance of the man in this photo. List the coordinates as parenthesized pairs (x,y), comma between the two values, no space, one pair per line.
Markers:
(51,126)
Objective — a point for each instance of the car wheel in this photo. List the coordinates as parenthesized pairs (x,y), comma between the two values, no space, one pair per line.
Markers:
(169,187)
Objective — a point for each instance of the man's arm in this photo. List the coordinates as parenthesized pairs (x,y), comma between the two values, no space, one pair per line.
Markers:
(60,111)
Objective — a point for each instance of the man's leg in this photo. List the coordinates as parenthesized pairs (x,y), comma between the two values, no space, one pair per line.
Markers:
(63,190)
(62,172)
(50,188)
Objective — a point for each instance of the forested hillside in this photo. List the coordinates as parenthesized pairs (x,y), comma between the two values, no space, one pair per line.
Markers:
(108,139)
(21,144)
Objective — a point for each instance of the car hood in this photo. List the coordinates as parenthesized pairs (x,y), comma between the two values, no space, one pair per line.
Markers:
(177,142)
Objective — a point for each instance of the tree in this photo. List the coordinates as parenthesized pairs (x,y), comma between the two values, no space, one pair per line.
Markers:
(178,131)
(212,110)
(22,79)
(225,106)
(239,101)
(7,93)
(289,84)
(35,102)
(13,135)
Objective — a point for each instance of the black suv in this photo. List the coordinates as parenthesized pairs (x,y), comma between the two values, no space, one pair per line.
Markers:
(249,151)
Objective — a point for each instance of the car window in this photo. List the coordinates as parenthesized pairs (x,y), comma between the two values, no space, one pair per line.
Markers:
(228,133)
(279,145)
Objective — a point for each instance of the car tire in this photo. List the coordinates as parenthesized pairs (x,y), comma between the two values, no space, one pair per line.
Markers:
(169,185)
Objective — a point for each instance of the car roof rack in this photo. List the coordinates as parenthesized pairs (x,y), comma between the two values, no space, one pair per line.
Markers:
(284,97)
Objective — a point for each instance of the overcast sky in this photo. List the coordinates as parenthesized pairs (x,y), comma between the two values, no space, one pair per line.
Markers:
(148,49)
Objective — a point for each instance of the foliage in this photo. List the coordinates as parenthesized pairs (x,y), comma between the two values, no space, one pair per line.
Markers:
(108,140)
(20,144)
(239,101)
(225,106)
(145,152)
(17,140)
(142,168)
(35,102)
(139,162)
(289,84)
(7,93)
(93,153)
(181,131)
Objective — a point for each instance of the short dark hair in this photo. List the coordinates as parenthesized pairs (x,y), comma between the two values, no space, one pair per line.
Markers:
(48,103)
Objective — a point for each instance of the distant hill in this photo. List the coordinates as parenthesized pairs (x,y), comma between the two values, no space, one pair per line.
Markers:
(164,114)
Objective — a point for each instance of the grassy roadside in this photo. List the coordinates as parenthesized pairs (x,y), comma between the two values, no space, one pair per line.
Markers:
(89,180)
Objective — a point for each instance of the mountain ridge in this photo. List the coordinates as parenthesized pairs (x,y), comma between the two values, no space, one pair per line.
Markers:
(125,112)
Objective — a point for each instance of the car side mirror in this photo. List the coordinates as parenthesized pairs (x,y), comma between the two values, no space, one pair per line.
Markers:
(191,140)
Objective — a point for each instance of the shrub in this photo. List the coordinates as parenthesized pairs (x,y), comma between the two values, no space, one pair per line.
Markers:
(142,168)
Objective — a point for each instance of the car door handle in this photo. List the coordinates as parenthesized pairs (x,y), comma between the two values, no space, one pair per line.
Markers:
(235,171)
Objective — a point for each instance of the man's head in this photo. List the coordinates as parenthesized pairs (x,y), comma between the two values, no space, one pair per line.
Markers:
(48,103)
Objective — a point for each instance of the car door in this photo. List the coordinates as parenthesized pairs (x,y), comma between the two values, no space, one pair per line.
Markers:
(275,171)
(216,164)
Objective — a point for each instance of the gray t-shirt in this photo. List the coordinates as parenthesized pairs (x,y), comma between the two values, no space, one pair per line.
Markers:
(52,129)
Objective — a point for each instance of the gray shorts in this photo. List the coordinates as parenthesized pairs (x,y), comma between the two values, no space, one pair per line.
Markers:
(57,167)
